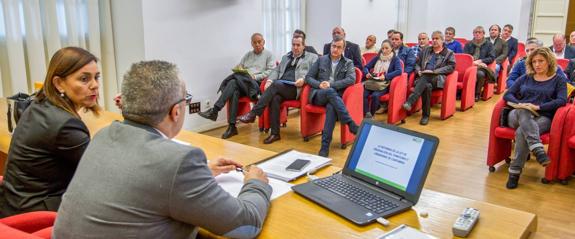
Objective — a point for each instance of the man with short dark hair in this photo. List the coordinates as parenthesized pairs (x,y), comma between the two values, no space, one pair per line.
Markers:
(450,41)
(300,33)
(511,43)
(499,47)
(390,33)
(328,77)
(404,53)
(135,182)
(259,64)
(351,51)
(284,83)
(560,48)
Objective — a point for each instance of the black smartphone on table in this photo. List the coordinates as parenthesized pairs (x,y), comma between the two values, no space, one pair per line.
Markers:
(297,165)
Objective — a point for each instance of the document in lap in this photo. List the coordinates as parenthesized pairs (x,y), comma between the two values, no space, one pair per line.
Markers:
(384,174)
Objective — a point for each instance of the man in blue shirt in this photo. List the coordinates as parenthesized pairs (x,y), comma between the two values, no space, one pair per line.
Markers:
(404,53)
(450,41)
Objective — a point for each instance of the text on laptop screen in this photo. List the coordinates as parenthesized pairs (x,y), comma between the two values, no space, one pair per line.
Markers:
(391,157)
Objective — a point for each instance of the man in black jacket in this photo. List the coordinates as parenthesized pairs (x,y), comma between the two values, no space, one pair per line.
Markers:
(482,51)
(433,65)
(352,50)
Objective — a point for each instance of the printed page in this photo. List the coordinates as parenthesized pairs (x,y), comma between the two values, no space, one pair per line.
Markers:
(233,182)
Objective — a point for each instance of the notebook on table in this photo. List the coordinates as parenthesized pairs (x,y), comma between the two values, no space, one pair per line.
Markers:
(384,174)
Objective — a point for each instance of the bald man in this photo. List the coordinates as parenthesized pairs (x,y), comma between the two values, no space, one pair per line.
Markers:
(370,45)
(351,52)
(560,48)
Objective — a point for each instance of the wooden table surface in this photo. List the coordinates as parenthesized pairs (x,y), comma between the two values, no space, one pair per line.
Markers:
(292,216)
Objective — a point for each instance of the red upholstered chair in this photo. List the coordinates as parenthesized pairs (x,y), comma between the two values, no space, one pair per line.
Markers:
(245,104)
(31,225)
(502,78)
(313,117)
(368,57)
(566,153)
(446,96)
(467,76)
(500,140)
(395,99)
(563,63)
(463,41)
(410,44)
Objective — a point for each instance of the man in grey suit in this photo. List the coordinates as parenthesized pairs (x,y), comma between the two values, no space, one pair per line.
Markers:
(328,77)
(287,81)
(500,47)
(134,182)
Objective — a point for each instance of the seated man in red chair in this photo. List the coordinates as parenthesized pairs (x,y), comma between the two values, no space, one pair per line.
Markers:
(284,83)
(328,77)
(539,93)
(482,51)
(370,45)
(432,67)
(258,63)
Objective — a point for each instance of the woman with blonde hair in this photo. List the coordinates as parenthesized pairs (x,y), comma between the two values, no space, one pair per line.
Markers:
(50,137)
(536,96)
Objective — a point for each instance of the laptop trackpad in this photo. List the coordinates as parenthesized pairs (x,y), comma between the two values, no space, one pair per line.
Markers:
(338,204)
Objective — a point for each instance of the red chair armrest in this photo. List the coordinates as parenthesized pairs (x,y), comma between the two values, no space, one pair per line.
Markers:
(31,221)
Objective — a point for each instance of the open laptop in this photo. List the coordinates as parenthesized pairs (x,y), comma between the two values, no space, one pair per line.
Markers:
(383,175)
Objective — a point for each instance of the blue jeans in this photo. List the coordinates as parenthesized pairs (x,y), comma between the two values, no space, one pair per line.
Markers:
(334,109)
(375,103)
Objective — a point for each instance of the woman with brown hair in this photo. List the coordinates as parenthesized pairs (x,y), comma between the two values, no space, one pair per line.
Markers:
(535,96)
(50,137)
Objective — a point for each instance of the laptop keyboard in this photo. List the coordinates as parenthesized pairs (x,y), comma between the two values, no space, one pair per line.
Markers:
(355,194)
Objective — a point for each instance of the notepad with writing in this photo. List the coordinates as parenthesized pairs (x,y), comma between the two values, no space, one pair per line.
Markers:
(275,167)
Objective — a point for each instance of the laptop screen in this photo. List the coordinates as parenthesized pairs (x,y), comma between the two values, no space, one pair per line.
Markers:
(392,158)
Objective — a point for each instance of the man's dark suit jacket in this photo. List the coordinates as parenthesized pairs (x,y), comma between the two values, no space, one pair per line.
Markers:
(351,52)
(321,70)
(569,52)
(46,147)
(511,49)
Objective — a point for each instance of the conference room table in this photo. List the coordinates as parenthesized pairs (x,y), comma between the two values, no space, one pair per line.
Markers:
(292,216)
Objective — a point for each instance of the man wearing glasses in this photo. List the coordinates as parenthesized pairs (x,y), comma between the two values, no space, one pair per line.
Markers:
(133,181)
(519,68)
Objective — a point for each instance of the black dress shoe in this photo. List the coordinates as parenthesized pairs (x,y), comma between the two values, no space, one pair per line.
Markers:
(424,120)
(272,138)
(231,131)
(353,128)
(210,114)
(247,118)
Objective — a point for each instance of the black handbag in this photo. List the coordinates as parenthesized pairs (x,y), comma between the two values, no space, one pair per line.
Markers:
(504,116)
(17,104)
